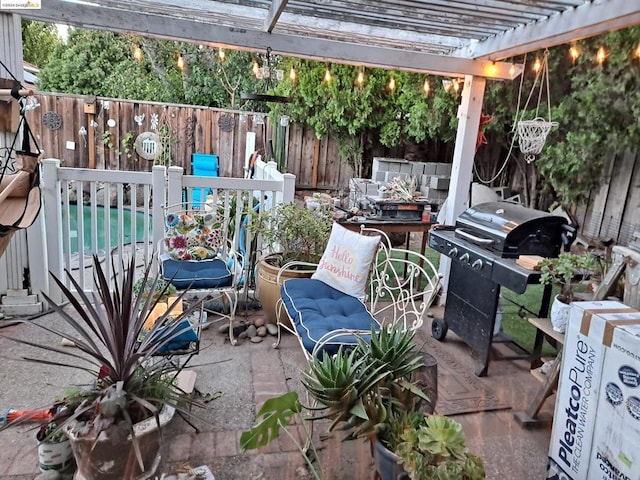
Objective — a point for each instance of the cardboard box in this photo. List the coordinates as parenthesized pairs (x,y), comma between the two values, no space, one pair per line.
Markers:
(616,437)
(583,357)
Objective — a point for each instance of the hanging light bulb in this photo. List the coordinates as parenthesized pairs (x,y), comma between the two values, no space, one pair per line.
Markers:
(360,77)
(447,85)
(327,75)
(293,75)
(574,53)
(426,87)
(137,53)
(222,56)
(537,65)
(637,51)
(391,86)
(255,69)
(180,63)
(456,86)
(601,55)
(512,69)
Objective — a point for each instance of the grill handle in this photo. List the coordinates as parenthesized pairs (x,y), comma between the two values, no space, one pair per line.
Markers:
(473,238)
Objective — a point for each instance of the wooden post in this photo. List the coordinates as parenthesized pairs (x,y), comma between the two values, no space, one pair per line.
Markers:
(316,159)
(91,140)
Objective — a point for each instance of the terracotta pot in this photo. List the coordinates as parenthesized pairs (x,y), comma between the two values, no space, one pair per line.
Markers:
(269,289)
(100,459)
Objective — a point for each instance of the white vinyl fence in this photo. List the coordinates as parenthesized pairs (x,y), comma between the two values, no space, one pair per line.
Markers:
(116,214)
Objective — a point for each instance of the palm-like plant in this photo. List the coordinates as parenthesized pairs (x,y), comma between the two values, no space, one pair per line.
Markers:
(128,384)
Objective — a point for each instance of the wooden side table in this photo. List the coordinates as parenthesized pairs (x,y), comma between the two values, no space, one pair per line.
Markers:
(531,416)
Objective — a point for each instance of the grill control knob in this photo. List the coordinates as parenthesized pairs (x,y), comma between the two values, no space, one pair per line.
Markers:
(453,252)
(477,265)
(464,257)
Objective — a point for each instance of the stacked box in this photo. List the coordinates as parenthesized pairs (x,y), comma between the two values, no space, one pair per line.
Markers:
(439,182)
(616,436)
(577,397)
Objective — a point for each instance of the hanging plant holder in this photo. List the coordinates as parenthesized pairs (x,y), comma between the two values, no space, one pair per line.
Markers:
(532,134)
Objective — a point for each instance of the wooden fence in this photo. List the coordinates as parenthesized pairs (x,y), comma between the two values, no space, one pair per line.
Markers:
(105,139)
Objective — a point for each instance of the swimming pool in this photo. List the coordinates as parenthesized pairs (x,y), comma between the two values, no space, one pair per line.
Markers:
(138,229)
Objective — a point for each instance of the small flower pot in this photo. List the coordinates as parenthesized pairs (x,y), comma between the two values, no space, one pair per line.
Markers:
(56,456)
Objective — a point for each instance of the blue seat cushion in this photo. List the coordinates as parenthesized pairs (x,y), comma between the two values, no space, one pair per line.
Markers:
(315,309)
(181,336)
(211,273)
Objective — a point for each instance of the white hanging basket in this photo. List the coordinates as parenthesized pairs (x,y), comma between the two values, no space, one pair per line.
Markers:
(532,134)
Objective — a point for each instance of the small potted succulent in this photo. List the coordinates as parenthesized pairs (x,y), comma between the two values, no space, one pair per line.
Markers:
(565,271)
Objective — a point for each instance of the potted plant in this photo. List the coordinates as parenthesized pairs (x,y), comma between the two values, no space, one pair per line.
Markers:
(368,391)
(54,448)
(426,447)
(114,422)
(289,233)
(565,272)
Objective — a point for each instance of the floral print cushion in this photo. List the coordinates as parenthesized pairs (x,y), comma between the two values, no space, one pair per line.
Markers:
(193,236)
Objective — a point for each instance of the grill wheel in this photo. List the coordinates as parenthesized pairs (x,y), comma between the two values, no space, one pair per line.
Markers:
(439,329)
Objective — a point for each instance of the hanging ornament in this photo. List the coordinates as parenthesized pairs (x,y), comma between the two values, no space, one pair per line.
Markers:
(532,134)
(139,119)
(154,122)
(52,120)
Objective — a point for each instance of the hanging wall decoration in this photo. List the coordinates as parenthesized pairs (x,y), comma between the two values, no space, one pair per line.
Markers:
(532,134)
(226,123)
(148,145)
(52,120)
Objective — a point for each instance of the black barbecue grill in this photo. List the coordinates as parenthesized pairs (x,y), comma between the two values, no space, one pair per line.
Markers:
(483,246)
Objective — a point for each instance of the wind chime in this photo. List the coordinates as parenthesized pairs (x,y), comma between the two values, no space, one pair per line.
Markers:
(532,134)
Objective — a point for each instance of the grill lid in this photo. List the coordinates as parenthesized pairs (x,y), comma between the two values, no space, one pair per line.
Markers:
(509,229)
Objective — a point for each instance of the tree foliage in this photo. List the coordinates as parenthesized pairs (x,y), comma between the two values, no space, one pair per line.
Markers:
(38,42)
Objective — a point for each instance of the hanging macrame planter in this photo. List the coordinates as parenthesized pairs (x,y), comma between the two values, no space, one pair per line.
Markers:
(532,134)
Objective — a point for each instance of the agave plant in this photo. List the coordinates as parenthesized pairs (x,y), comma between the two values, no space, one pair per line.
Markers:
(359,388)
(107,328)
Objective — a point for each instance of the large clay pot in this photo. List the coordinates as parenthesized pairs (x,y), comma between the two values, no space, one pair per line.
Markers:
(103,460)
(269,289)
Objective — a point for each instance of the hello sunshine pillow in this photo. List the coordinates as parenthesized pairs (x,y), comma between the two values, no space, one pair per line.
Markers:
(346,261)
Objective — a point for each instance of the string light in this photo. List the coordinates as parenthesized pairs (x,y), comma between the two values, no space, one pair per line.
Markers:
(456,86)
(537,65)
(637,51)
(180,63)
(360,77)
(601,55)
(255,69)
(222,55)
(426,87)
(574,53)
(292,73)
(512,70)
(137,53)
(391,86)
(327,75)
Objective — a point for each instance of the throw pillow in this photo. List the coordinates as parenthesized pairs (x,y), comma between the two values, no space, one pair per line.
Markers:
(193,236)
(346,261)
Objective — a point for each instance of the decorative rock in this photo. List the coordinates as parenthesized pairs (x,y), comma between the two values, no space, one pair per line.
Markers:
(262,331)
(272,328)
(256,339)
(251,331)
(258,321)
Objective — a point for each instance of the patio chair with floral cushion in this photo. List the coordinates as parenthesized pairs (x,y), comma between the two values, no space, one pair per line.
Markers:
(360,282)
(199,254)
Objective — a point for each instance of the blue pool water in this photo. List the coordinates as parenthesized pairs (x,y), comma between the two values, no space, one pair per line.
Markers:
(129,237)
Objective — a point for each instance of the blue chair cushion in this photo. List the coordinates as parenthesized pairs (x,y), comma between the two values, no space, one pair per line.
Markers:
(315,309)
(182,339)
(211,273)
